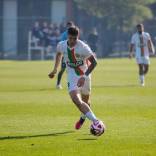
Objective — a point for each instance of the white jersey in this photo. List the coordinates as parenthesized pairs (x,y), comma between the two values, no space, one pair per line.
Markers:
(75,58)
(140,42)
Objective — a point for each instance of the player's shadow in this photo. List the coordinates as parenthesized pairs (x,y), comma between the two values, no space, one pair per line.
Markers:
(37,90)
(88,138)
(33,90)
(35,136)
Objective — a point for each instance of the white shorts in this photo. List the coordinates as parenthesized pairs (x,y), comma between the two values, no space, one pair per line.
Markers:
(143,60)
(72,85)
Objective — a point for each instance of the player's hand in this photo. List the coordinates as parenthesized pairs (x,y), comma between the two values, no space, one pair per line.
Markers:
(52,74)
(81,82)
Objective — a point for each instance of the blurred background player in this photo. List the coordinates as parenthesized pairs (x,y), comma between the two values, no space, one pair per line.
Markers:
(64,37)
(75,53)
(142,43)
(93,39)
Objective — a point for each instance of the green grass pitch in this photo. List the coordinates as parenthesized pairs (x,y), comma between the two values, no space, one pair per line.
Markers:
(38,120)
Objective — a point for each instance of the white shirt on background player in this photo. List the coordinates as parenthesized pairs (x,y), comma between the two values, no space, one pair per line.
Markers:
(136,41)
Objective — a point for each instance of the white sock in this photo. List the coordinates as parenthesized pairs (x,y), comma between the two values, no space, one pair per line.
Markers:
(142,78)
(90,115)
(83,116)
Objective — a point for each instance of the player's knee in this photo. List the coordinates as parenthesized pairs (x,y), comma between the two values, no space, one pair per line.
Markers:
(76,98)
(141,71)
(76,101)
(146,71)
(89,104)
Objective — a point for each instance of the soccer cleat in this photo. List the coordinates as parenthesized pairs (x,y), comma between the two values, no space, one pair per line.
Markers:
(79,123)
(58,86)
(142,83)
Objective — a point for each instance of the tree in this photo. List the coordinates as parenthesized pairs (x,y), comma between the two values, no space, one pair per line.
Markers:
(117,12)
(117,16)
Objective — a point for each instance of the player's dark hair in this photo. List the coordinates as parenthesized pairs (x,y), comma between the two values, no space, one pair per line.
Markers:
(139,25)
(70,23)
(74,31)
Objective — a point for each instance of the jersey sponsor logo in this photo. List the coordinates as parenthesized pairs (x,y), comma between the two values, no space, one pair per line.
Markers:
(75,64)
(77,55)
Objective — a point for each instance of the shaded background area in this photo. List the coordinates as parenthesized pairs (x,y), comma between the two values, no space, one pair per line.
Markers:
(114,21)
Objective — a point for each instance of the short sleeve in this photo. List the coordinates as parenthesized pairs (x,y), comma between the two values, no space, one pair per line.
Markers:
(148,36)
(59,47)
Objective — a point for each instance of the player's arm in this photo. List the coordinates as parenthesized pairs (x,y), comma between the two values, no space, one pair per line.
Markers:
(131,50)
(92,65)
(57,63)
(151,46)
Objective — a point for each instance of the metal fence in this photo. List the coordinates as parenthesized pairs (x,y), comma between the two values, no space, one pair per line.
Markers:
(14,39)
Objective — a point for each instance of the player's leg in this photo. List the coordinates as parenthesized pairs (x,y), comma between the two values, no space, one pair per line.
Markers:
(146,68)
(82,106)
(140,62)
(141,74)
(59,77)
(146,64)
(143,63)
(85,95)
(80,122)
(141,69)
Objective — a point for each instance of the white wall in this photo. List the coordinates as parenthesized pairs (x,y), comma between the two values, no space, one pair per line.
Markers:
(10,27)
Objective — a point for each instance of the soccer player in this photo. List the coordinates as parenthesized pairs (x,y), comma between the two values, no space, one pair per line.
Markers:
(75,53)
(142,43)
(63,64)
(93,39)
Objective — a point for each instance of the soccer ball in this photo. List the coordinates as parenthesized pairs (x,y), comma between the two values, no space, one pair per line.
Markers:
(97,128)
